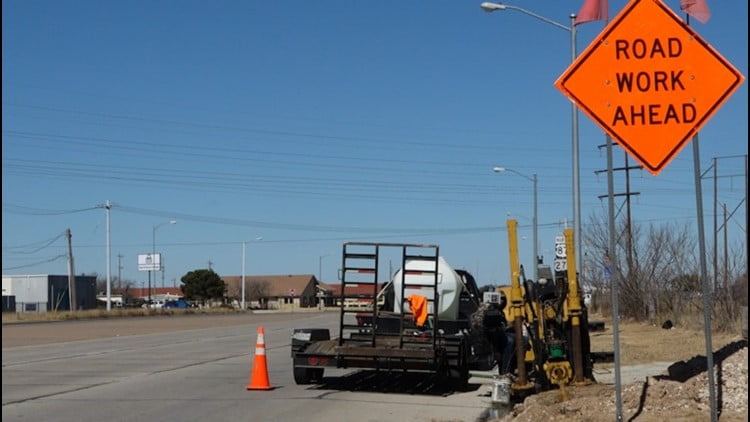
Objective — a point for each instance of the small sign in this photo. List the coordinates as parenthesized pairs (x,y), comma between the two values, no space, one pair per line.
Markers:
(561,254)
(561,265)
(149,262)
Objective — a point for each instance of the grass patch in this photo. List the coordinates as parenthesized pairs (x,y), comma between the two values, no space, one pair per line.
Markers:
(11,317)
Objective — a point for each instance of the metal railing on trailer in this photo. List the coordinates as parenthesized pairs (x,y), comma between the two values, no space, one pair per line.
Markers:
(360,266)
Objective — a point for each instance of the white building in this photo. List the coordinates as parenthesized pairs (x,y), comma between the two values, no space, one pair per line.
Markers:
(30,291)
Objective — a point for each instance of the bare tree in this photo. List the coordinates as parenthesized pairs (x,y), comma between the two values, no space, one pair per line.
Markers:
(257,290)
(660,255)
(662,280)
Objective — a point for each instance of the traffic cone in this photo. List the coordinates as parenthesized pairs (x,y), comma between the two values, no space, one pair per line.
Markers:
(259,376)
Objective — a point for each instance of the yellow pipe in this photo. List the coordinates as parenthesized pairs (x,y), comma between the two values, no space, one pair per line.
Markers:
(516,301)
(574,297)
(574,307)
(516,296)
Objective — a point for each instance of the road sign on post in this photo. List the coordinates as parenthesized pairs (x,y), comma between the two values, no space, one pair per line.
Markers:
(561,256)
(650,82)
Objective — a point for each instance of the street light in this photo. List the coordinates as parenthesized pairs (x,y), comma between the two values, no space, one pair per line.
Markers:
(491,7)
(244,246)
(153,253)
(320,266)
(533,179)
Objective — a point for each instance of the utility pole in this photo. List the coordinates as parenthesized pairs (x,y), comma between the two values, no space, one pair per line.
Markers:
(716,176)
(716,232)
(119,272)
(107,207)
(726,252)
(71,274)
(162,271)
(627,194)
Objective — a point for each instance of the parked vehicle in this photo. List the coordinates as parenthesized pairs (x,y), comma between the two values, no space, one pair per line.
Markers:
(177,304)
(431,319)
(155,304)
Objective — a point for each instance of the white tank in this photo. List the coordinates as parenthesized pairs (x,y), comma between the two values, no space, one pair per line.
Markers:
(450,287)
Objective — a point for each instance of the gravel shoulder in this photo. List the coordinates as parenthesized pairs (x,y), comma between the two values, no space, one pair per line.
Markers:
(663,377)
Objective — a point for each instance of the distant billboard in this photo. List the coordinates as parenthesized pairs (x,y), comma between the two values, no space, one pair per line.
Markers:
(149,262)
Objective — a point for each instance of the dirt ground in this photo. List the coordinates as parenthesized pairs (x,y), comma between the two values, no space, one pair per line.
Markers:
(679,394)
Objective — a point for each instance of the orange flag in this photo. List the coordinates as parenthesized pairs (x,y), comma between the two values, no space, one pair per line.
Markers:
(593,10)
(697,9)
(418,304)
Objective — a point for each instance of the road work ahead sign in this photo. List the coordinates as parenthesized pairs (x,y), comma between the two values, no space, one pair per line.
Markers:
(650,82)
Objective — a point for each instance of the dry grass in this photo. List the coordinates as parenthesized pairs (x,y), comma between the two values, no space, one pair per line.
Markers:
(9,317)
(643,343)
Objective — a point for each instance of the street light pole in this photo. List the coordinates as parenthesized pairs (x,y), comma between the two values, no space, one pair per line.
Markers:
(244,245)
(491,7)
(108,206)
(535,227)
(320,267)
(153,253)
(576,155)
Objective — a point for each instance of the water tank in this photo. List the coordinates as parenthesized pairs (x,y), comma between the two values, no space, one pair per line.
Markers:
(449,289)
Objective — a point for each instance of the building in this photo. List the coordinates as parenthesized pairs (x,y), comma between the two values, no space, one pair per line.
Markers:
(275,291)
(44,292)
(357,294)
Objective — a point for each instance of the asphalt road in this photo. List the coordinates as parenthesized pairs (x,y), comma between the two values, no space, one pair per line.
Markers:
(196,368)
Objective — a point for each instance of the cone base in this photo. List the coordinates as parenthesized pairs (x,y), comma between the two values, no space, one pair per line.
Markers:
(250,387)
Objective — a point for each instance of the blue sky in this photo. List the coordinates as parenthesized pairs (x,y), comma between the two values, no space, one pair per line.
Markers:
(313,123)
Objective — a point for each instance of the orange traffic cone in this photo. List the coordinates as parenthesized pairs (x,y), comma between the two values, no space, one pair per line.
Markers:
(259,376)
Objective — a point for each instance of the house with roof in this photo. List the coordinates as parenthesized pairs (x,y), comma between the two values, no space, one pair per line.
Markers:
(356,294)
(275,291)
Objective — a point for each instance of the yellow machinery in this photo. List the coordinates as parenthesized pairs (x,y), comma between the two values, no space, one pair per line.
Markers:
(550,325)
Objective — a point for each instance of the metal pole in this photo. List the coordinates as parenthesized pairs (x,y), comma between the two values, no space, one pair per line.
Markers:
(707,298)
(72,303)
(726,252)
(716,230)
(119,272)
(576,164)
(614,277)
(153,256)
(109,251)
(243,275)
(536,233)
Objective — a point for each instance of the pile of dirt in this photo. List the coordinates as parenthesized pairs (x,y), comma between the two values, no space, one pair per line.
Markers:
(682,394)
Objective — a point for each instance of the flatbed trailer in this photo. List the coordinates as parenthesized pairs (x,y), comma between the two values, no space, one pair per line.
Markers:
(387,340)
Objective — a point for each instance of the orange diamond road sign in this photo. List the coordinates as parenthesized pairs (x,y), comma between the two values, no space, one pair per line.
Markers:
(650,82)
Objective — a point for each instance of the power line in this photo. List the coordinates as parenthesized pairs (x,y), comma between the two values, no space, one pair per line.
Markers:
(17,209)
(46,243)
(35,263)
(375,141)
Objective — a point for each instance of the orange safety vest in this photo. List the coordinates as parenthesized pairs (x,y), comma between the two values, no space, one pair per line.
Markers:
(418,304)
